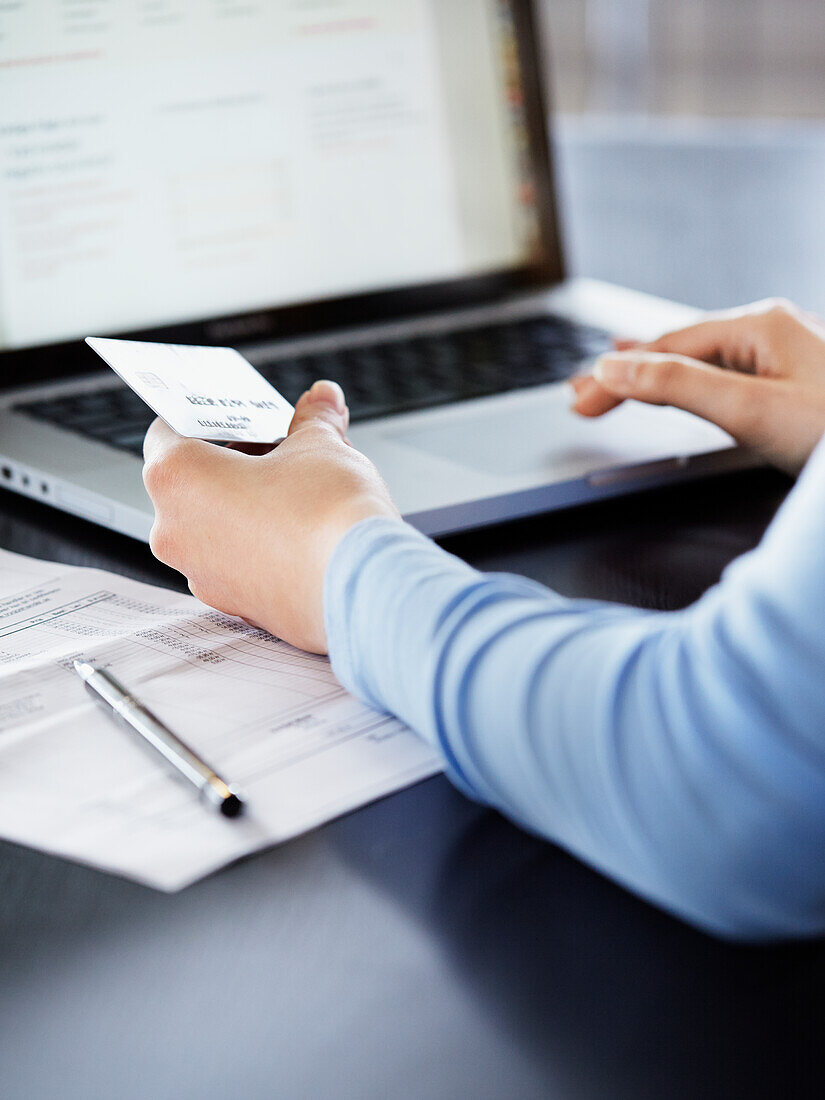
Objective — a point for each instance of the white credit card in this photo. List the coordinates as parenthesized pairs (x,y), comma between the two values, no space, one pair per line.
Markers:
(201,393)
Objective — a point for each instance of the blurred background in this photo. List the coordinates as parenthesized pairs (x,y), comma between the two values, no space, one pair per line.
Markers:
(701,114)
(715,58)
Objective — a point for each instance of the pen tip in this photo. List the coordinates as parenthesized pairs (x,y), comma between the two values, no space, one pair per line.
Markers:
(83,669)
(232,805)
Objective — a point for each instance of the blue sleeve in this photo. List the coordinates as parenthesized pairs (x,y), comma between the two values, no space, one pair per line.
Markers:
(682,753)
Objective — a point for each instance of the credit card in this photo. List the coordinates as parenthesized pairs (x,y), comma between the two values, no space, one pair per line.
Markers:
(201,393)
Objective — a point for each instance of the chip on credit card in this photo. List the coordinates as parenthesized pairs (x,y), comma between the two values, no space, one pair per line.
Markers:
(201,392)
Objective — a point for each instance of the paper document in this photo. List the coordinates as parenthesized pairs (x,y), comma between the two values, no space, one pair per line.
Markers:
(267,717)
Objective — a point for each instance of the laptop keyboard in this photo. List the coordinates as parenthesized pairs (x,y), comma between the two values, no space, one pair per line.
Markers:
(378,379)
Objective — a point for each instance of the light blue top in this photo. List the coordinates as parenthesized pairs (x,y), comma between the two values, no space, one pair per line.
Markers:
(682,753)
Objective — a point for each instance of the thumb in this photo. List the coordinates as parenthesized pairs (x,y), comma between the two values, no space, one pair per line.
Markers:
(325,404)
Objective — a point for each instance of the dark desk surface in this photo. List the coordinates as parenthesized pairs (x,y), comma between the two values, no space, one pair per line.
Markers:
(423,947)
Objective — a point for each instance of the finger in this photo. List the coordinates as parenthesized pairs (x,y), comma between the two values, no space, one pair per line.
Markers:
(625,345)
(157,439)
(323,404)
(161,441)
(722,341)
(172,463)
(814,325)
(254,449)
(739,404)
(743,339)
(590,398)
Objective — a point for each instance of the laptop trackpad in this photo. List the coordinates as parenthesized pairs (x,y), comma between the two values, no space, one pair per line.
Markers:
(541,438)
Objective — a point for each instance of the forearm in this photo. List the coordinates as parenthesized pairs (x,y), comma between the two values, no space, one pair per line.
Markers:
(634,739)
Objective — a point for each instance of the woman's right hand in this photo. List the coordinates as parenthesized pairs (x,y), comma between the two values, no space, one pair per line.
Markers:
(757,372)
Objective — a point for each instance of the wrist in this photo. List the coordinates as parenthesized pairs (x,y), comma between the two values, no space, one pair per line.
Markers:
(349,514)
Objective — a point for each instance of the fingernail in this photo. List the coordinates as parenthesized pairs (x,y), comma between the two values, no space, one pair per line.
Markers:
(615,371)
(328,392)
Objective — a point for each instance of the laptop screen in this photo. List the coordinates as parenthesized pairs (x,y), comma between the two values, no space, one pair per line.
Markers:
(168,161)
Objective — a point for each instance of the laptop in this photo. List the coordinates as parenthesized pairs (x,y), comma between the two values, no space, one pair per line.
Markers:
(360,191)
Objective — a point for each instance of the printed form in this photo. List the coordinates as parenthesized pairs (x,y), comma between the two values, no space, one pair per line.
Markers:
(267,717)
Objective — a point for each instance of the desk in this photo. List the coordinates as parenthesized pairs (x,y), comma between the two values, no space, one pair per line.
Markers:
(423,947)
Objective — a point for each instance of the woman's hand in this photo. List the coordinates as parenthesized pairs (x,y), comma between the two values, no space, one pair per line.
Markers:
(253,534)
(758,372)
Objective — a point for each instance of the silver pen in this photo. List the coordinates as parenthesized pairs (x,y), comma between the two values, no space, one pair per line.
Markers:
(123,706)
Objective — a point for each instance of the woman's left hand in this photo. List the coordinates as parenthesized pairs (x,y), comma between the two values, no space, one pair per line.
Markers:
(253,534)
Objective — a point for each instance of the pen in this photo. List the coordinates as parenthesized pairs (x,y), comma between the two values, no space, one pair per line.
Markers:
(123,706)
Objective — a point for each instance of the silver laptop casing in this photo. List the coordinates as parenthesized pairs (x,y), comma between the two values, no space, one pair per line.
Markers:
(449,468)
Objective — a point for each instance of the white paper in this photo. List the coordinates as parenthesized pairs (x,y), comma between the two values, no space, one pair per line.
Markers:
(269,718)
(201,393)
